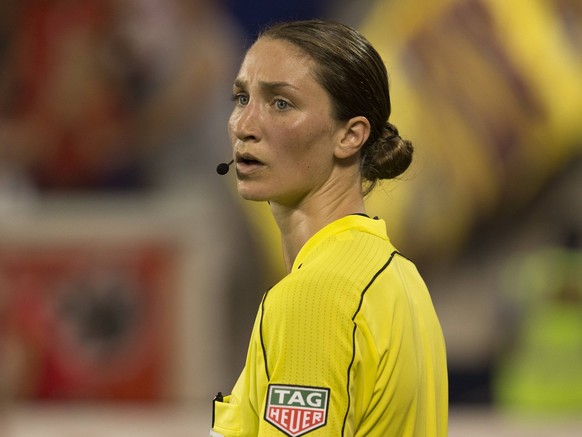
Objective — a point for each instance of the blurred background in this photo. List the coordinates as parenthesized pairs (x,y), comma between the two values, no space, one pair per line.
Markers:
(130,273)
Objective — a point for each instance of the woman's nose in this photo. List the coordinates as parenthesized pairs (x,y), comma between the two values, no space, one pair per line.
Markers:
(244,123)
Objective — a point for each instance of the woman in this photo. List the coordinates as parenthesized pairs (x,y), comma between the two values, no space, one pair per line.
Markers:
(348,343)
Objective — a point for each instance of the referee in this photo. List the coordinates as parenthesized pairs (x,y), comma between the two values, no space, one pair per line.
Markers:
(348,343)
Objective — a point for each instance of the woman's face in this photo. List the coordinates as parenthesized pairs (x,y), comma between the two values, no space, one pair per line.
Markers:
(281,127)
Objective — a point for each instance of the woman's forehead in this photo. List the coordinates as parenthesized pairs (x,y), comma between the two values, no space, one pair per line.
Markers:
(275,60)
(278,50)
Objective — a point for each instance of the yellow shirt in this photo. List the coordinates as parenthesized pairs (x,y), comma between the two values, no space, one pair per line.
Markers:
(347,344)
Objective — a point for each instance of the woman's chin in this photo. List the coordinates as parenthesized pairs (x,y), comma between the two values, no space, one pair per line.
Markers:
(249,194)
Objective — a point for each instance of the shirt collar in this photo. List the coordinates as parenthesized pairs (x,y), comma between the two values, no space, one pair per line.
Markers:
(352,222)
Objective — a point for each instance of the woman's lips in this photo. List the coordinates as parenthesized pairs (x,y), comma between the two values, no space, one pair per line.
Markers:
(247,163)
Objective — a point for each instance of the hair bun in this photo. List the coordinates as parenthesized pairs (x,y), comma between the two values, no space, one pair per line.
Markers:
(389,157)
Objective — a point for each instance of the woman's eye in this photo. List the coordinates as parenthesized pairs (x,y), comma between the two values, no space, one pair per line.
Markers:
(281,104)
(241,99)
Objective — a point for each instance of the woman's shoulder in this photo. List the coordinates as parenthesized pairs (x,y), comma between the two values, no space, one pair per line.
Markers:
(330,280)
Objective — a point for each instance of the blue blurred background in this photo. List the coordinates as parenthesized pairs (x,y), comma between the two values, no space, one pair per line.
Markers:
(130,273)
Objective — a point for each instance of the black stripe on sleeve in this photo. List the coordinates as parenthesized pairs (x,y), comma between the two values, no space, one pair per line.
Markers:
(354,333)
(261,335)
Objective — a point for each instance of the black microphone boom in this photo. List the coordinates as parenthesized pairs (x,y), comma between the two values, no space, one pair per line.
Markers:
(223,167)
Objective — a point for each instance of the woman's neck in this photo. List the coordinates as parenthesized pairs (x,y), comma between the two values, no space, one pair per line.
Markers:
(299,223)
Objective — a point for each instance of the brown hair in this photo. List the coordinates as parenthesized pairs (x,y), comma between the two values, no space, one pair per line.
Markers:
(354,75)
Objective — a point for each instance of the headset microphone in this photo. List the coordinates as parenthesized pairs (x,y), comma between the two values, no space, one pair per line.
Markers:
(223,167)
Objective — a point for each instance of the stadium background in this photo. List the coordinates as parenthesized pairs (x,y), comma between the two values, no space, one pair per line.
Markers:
(130,272)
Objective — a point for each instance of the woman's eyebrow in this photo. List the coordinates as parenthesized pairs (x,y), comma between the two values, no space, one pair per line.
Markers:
(239,83)
(265,85)
(275,86)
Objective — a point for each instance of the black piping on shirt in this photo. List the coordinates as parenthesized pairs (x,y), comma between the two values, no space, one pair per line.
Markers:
(261,335)
(384,267)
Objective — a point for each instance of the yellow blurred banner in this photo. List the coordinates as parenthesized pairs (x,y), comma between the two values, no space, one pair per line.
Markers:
(490,93)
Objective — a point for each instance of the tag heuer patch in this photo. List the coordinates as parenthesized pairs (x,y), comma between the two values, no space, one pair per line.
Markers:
(297,410)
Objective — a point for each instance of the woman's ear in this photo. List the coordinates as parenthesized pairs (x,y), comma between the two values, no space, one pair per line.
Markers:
(353,136)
